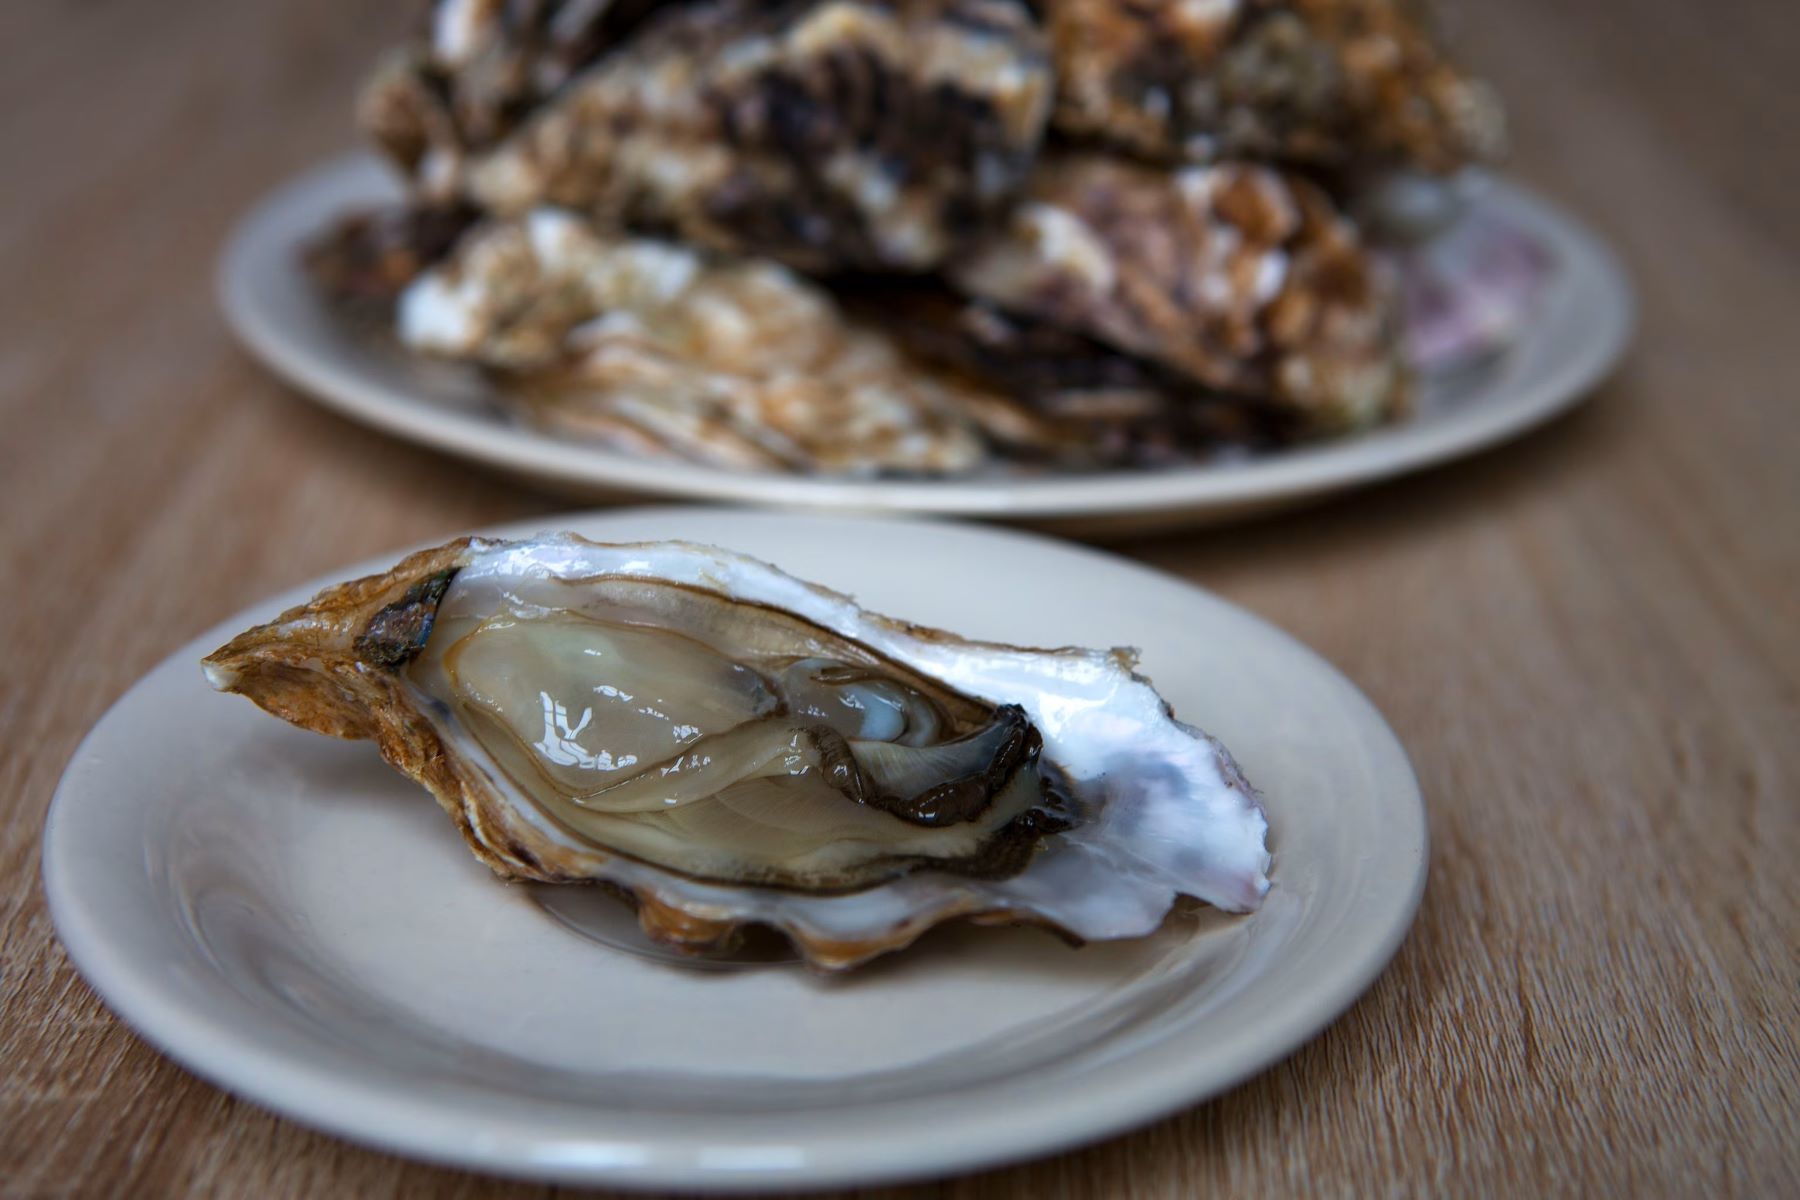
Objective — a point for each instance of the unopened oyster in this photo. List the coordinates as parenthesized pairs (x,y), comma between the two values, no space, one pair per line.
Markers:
(729,746)
(1244,278)
(649,346)
(932,237)
(824,133)
(1325,83)
(1061,397)
(475,70)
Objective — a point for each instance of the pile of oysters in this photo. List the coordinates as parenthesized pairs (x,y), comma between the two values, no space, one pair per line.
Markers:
(909,237)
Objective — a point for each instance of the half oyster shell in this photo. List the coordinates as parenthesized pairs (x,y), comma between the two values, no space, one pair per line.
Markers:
(728,746)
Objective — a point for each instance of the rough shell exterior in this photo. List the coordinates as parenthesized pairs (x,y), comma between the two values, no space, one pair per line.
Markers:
(827,135)
(475,70)
(1066,399)
(1146,208)
(1328,83)
(1240,277)
(648,346)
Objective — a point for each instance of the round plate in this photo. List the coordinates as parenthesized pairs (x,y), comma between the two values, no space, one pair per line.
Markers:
(292,920)
(1577,332)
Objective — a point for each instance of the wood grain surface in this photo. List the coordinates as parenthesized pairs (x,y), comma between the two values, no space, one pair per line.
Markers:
(1590,641)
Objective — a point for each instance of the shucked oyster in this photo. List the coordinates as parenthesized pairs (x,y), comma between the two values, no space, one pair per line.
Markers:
(728,746)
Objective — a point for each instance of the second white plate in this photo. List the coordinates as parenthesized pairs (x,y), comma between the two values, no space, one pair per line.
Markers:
(292,920)
(1576,334)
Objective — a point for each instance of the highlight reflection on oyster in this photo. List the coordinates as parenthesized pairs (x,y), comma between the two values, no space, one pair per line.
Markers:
(728,747)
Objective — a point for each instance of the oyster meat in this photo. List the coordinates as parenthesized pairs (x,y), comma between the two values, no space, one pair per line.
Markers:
(728,746)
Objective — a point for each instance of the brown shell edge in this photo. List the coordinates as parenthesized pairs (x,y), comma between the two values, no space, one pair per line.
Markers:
(303,667)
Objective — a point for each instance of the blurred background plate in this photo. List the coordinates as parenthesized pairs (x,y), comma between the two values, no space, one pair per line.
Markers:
(295,922)
(1576,333)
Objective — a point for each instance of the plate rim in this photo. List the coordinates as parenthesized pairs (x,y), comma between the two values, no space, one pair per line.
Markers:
(409,1126)
(260,249)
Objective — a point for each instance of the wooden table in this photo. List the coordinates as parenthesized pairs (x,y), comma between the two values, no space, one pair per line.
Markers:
(1590,641)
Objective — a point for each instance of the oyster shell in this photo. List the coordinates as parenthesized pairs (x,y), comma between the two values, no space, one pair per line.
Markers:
(729,746)
(476,68)
(825,134)
(364,260)
(1073,401)
(651,347)
(1240,277)
(1325,83)
(1470,290)
(1074,234)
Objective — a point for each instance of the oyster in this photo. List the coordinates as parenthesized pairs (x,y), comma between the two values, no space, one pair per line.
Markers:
(475,70)
(825,133)
(651,347)
(729,746)
(364,260)
(926,236)
(1326,83)
(1067,399)
(1469,291)
(1240,277)
(931,237)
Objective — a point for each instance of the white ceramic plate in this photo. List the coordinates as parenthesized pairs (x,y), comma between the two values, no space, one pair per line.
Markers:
(290,919)
(1576,334)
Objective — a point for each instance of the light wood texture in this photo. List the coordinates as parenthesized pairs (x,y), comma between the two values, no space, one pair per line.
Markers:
(1590,641)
